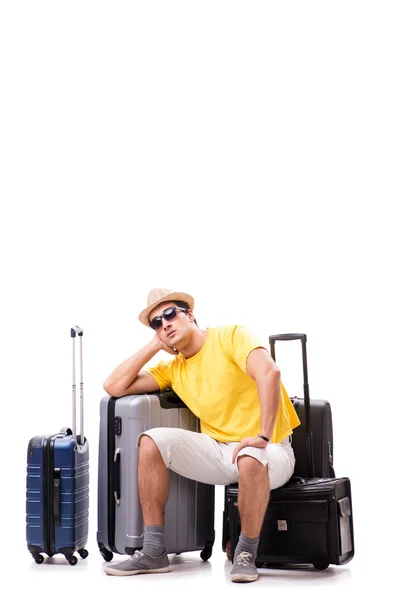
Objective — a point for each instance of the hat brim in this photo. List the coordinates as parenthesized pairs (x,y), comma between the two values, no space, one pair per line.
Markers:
(144,315)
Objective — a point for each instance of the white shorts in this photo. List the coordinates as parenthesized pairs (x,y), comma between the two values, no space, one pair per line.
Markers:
(198,456)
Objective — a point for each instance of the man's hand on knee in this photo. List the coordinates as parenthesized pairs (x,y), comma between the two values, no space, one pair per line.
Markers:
(256,442)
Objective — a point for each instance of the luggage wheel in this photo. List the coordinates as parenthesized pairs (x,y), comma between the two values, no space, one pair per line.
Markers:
(39,558)
(207,551)
(106,554)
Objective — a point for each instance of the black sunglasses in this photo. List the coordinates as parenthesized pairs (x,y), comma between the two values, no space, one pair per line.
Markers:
(169,314)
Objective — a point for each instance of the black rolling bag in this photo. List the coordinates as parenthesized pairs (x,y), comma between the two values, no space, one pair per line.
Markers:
(309,520)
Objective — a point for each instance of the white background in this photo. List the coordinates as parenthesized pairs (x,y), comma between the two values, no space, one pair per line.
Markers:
(244,152)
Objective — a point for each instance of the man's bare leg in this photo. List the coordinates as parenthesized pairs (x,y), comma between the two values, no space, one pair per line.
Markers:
(152,482)
(153,494)
(254,490)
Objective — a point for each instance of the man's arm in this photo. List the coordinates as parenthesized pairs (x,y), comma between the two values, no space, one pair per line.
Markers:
(267,376)
(128,378)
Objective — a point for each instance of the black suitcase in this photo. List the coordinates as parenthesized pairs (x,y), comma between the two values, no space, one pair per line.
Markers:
(309,520)
(320,417)
(322,443)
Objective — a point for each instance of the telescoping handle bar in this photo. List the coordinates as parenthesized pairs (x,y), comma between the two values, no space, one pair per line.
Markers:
(77,331)
(303,338)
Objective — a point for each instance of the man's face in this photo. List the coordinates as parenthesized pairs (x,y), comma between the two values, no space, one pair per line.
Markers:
(172,333)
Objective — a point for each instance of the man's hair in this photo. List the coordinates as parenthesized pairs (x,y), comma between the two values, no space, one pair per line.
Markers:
(185,305)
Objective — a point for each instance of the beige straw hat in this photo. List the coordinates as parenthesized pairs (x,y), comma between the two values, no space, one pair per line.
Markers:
(159,295)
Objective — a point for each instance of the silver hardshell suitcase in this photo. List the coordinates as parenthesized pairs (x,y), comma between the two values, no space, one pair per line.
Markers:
(189,512)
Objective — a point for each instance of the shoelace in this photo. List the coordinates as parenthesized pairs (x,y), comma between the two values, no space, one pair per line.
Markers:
(243,559)
(137,554)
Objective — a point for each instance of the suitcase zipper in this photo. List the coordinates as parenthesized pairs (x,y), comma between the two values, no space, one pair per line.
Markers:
(48,490)
(48,534)
(50,496)
(46,496)
(111,474)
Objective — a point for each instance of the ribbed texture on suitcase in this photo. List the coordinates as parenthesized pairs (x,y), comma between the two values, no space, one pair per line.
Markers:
(42,530)
(189,513)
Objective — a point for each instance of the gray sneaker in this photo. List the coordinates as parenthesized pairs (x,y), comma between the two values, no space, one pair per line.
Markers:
(244,568)
(140,563)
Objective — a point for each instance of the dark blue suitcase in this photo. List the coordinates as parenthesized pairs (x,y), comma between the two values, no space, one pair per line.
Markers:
(57,487)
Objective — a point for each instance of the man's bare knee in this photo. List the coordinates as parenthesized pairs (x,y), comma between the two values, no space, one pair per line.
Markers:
(147,443)
(248,462)
(249,465)
(148,447)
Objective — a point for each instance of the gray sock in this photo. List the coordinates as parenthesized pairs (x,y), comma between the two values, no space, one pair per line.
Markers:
(246,544)
(153,544)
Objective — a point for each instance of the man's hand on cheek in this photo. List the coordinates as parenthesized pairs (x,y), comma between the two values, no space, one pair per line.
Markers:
(163,346)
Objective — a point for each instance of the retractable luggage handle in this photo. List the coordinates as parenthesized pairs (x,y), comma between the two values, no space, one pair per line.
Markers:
(77,331)
(303,338)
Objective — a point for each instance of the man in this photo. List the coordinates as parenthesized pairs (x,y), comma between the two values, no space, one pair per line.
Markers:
(229,381)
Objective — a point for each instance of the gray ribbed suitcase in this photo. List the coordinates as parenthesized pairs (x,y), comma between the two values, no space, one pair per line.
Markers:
(189,513)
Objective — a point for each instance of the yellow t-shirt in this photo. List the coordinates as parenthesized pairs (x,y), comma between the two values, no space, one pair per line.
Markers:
(216,387)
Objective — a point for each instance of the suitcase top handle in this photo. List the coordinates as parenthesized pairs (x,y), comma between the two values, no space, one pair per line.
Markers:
(76,330)
(303,338)
(287,336)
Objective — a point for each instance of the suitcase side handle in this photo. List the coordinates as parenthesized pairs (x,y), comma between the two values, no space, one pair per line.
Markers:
(117,475)
(56,496)
(303,338)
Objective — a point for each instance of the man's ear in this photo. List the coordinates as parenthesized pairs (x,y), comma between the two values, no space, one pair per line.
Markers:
(190,315)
